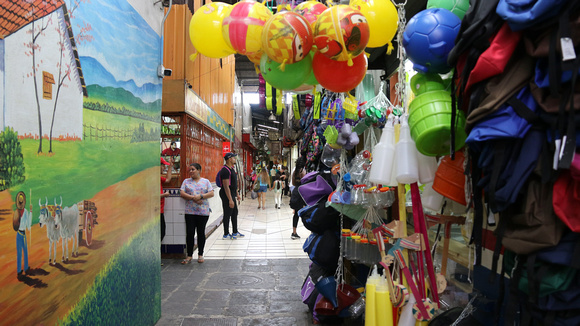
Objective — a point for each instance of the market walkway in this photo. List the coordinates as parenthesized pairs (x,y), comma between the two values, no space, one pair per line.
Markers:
(254,280)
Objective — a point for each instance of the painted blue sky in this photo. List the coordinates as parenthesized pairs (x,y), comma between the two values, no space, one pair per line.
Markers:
(123,41)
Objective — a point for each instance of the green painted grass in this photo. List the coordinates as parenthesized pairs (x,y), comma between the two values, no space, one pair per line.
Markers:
(127,291)
(77,170)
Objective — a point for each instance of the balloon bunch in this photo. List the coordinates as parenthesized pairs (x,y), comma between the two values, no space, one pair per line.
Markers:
(297,49)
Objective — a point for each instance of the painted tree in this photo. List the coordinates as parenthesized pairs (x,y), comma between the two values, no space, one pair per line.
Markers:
(33,48)
(11,159)
(67,42)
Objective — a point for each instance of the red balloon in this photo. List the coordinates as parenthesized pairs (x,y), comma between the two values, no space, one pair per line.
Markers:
(337,76)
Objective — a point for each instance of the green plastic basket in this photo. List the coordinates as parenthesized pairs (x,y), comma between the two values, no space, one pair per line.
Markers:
(430,123)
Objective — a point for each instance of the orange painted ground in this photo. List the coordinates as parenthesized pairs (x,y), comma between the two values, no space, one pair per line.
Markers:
(48,292)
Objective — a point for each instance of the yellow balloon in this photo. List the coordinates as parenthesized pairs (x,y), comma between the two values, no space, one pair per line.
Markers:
(205,30)
(382,19)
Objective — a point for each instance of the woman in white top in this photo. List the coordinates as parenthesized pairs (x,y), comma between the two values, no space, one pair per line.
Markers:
(278,186)
(195,190)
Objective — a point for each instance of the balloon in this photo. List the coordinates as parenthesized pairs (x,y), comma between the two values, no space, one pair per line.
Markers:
(310,10)
(255,57)
(205,30)
(303,89)
(382,18)
(428,38)
(458,7)
(341,33)
(292,77)
(287,37)
(338,76)
(242,29)
(311,79)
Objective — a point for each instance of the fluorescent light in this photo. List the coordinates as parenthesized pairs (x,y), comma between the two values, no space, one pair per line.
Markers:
(268,127)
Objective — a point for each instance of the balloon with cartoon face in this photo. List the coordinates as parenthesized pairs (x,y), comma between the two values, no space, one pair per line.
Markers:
(287,37)
(310,10)
(341,33)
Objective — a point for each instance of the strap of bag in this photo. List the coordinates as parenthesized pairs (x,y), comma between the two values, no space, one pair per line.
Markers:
(512,304)
(476,233)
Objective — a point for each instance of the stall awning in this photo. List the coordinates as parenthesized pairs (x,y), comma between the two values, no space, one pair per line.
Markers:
(248,139)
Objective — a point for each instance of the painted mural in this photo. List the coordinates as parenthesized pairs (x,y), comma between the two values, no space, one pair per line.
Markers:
(79,163)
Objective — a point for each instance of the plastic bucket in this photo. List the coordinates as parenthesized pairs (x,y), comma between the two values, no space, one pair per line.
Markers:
(449,178)
(430,123)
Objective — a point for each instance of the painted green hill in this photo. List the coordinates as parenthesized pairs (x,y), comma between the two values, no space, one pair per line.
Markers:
(120,97)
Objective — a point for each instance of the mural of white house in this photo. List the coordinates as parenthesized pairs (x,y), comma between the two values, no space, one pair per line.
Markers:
(41,78)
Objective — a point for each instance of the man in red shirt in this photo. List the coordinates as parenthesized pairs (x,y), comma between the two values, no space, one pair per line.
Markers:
(164,181)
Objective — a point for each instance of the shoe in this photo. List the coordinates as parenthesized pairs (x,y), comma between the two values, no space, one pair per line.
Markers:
(278,206)
(295,236)
(238,235)
(275,205)
(263,207)
(227,236)
(259,207)
(200,259)
(233,236)
(162,264)
(186,261)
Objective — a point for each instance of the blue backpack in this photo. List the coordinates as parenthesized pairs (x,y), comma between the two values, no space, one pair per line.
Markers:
(218,180)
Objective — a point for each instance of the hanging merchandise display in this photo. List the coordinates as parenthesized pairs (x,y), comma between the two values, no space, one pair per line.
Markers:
(205,30)
(242,28)
(287,38)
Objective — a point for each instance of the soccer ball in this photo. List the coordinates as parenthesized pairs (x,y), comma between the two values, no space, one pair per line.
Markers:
(428,38)
(458,7)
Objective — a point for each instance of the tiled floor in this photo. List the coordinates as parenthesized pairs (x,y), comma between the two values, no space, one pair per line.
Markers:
(267,234)
(254,280)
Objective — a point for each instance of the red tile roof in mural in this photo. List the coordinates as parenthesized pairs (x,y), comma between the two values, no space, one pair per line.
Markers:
(14,14)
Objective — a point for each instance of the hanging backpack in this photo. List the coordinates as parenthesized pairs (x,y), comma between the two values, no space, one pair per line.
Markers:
(323,249)
(545,285)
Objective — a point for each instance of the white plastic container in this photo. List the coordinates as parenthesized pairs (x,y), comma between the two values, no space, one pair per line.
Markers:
(427,167)
(383,156)
(431,199)
(406,156)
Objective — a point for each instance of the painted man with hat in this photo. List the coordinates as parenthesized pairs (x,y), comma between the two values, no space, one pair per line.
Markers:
(21,221)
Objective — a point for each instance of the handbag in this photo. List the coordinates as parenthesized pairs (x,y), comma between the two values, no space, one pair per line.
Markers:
(253,194)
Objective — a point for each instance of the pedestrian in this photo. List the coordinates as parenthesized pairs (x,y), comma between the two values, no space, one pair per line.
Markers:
(264,181)
(296,201)
(277,188)
(286,176)
(230,195)
(196,191)
(164,181)
(273,172)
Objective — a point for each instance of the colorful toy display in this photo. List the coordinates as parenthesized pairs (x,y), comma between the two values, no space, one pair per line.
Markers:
(428,38)
(458,7)
(382,19)
(242,28)
(205,30)
(341,33)
(290,78)
(287,37)
(310,10)
(338,76)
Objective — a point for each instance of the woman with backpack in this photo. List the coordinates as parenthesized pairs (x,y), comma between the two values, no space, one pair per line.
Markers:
(278,186)
(263,181)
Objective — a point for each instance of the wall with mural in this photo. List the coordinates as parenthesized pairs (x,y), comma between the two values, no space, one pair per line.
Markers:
(80,106)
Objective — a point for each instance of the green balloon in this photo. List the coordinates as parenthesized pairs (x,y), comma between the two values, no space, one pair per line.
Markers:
(293,75)
(311,80)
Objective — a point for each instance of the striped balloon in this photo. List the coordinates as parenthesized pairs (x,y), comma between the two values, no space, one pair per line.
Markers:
(242,29)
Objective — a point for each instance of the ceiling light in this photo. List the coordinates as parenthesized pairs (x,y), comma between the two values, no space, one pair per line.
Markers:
(267,127)
(272,117)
